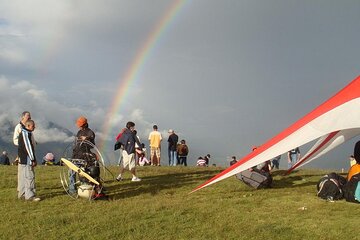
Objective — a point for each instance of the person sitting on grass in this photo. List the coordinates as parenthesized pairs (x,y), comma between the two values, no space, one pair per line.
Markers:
(48,159)
(201,162)
(143,161)
(355,169)
(233,160)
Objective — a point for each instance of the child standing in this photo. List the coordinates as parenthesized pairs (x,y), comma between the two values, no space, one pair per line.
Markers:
(27,163)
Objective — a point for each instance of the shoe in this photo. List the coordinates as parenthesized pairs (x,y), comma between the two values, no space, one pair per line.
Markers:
(119,179)
(135,179)
(34,199)
(101,196)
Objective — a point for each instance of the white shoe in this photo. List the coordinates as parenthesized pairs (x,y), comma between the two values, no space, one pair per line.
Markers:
(34,199)
(135,179)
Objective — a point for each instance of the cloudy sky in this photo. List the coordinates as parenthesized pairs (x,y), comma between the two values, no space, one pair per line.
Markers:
(226,75)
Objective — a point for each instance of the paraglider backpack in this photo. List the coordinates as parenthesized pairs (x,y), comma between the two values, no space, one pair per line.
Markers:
(117,143)
(255,179)
(330,187)
(352,189)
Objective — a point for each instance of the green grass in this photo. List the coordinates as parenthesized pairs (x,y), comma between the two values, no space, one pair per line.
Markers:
(160,207)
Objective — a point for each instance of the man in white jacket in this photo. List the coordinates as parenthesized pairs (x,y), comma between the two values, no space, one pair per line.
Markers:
(24,117)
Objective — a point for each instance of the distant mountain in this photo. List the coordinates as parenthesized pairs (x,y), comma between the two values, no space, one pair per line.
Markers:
(62,129)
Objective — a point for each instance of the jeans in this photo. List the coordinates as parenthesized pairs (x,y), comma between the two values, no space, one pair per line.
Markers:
(183,160)
(293,159)
(72,181)
(172,158)
(275,163)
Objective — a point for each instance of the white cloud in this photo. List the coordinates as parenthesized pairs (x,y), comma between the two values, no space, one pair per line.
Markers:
(12,55)
(3,82)
(16,97)
(44,135)
(37,94)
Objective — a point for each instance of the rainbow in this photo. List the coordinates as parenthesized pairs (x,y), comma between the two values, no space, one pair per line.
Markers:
(137,65)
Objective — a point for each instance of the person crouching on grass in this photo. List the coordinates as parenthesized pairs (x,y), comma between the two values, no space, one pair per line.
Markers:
(26,153)
(128,140)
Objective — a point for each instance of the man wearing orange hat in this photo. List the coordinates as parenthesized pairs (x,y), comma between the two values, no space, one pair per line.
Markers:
(81,151)
(84,133)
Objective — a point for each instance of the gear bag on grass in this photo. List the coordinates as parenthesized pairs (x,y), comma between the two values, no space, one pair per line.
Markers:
(331,187)
(352,189)
(255,179)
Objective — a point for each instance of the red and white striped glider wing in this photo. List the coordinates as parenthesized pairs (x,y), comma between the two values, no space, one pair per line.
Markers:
(326,144)
(331,116)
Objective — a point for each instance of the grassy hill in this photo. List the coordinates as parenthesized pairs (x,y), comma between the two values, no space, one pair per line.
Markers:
(160,207)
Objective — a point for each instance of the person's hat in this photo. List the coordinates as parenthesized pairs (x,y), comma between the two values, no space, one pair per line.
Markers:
(171,131)
(49,156)
(4,152)
(81,121)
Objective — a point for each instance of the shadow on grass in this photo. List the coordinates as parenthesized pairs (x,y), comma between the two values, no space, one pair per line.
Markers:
(154,184)
(292,180)
(49,192)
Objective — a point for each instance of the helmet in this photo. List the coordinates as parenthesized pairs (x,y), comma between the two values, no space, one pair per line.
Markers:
(94,171)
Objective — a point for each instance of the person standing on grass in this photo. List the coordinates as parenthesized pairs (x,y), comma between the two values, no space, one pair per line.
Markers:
(155,139)
(26,152)
(17,131)
(182,151)
(293,156)
(276,162)
(128,140)
(24,117)
(172,140)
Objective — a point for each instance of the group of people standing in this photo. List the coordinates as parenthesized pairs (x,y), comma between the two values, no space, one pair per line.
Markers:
(293,156)
(24,139)
(133,152)
(177,152)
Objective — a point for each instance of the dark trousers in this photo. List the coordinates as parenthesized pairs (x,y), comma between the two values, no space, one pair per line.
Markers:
(182,160)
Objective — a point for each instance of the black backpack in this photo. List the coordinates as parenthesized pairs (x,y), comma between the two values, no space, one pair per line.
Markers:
(331,187)
(350,188)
